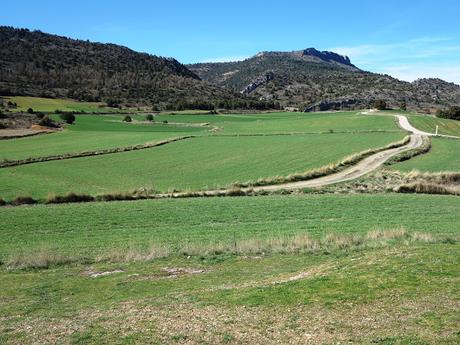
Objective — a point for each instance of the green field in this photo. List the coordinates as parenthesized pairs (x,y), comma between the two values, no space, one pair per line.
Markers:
(405,294)
(91,132)
(197,163)
(429,123)
(443,156)
(291,122)
(52,104)
(88,229)
(305,268)
(220,298)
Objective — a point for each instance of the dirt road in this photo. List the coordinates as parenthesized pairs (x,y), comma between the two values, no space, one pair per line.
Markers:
(362,168)
(365,166)
(405,124)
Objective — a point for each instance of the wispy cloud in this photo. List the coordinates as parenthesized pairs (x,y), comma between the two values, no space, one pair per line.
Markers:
(225,59)
(418,58)
(413,72)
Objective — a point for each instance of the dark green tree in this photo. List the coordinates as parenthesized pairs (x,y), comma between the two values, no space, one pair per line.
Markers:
(68,118)
(379,104)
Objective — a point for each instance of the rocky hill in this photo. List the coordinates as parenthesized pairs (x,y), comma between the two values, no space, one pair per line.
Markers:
(39,64)
(315,80)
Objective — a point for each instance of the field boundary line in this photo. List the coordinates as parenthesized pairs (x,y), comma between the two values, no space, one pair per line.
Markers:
(298,133)
(11,163)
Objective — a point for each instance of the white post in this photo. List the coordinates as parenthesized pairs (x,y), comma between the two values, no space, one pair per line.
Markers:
(437,127)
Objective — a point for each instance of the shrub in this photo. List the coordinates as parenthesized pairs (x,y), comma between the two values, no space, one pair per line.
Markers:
(115,197)
(23,200)
(127,118)
(165,122)
(2,202)
(149,117)
(39,115)
(46,121)
(69,197)
(449,113)
(379,104)
(112,103)
(30,111)
(68,118)
(403,105)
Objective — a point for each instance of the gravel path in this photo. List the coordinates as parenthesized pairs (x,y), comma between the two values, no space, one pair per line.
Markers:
(405,124)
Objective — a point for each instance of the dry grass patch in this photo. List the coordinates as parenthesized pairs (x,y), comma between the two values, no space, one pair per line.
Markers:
(296,244)
(43,258)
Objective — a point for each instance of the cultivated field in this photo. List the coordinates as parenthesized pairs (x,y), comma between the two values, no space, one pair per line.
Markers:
(83,229)
(352,262)
(429,123)
(51,104)
(443,156)
(205,162)
(224,149)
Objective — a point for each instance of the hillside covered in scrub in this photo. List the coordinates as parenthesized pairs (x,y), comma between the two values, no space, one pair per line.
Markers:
(34,63)
(323,80)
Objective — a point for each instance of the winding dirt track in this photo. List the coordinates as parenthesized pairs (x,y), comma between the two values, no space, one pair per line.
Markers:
(405,124)
(362,168)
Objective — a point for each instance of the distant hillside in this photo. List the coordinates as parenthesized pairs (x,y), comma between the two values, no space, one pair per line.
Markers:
(323,80)
(33,63)
(38,64)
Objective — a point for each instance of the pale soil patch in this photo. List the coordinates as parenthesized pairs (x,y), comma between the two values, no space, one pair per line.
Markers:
(317,271)
(12,133)
(167,273)
(369,323)
(93,274)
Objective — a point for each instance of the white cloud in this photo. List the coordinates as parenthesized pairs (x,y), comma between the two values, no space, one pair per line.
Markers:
(435,57)
(225,59)
(413,72)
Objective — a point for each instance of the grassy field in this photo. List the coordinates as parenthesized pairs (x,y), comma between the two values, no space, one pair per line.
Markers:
(195,163)
(428,124)
(443,156)
(52,104)
(89,229)
(391,292)
(396,295)
(308,268)
(91,132)
(290,122)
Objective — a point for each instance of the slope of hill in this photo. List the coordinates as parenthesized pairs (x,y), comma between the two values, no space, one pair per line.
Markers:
(323,80)
(39,64)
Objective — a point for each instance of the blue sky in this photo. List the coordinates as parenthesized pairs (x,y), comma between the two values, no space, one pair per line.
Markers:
(407,39)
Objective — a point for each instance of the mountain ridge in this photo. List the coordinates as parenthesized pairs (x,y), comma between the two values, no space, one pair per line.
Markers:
(34,63)
(314,80)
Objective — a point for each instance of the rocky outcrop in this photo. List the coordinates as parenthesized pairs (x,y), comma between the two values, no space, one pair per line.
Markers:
(263,79)
(328,56)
